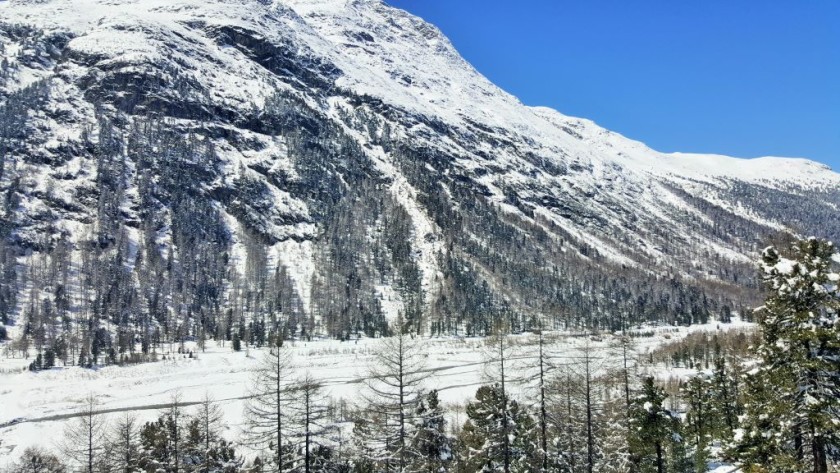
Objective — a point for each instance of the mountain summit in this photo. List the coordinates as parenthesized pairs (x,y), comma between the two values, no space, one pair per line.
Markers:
(186,168)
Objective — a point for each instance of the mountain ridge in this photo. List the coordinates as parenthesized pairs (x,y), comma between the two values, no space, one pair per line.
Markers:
(360,169)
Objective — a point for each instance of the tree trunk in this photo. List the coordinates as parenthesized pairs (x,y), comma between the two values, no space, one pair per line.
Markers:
(543,409)
(660,463)
(626,375)
(569,432)
(505,433)
(90,444)
(818,450)
(797,444)
(402,407)
(590,438)
(279,419)
(206,432)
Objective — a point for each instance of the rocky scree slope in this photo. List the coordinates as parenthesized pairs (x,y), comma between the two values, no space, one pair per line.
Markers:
(193,168)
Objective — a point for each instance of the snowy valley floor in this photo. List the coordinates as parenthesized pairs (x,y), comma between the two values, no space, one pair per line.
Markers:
(35,406)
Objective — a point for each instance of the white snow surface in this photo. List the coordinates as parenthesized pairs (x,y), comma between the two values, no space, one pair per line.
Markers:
(37,406)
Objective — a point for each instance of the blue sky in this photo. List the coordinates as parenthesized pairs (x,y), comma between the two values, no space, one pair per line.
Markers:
(745,78)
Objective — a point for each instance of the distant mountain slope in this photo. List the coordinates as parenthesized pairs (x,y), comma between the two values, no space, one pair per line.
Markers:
(185,168)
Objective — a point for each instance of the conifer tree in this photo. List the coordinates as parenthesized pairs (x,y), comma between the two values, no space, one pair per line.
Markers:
(394,391)
(368,452)
(162,442)
(268,408)
(760,447)
(724,403)
(497,354)
(794,395)
(155,445)
(699,419)
(499,434)
(430,444)
(583,425)
(652,429)
(308,415)
(175,429)
(124,445)
(206,448)
(614,450)
(590,405)
(543,373)
(569,441)
(84,439)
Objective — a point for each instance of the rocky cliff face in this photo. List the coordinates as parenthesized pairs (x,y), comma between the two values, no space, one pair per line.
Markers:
(190,167)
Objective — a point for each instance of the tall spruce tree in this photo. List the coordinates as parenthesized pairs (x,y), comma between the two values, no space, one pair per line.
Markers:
(724,403)
(793,405)
(699,421)
(430,444)
(499,435)
(652,429)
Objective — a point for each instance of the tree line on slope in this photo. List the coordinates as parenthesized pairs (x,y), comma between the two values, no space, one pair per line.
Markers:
(150,186)
(140,258)
(585,413)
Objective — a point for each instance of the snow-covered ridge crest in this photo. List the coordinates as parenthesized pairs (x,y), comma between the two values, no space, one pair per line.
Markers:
(387,53)
(695,165)
(423,71)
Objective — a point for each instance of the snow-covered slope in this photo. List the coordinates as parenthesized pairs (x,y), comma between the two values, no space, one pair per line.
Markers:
(542,209)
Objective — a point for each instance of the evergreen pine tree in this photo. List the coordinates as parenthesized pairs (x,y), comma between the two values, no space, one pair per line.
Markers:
(652,429)
(499,434)
(794,395)
(430,445)
(205,448)
(724,404)
(124,444)
(698,420)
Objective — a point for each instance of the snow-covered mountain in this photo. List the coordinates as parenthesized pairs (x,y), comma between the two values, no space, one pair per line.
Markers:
(344,154)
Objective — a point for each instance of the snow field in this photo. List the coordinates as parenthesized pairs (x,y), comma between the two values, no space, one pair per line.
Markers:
(35,407)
